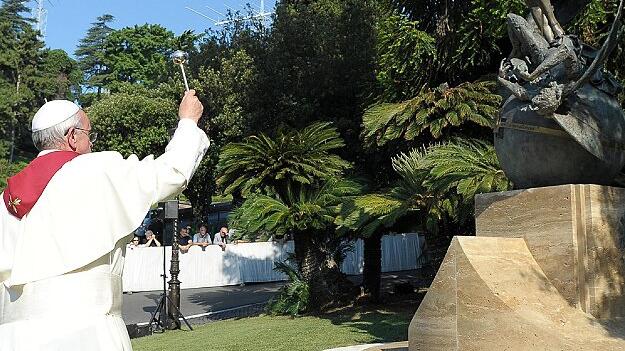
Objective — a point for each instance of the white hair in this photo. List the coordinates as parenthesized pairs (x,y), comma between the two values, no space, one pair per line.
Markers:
(52,138)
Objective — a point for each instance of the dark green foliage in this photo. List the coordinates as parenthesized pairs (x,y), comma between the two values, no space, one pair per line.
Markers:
(435,111)
(470,36)
(320,65)
(12,11)
(133,121)
(59,77)
(202,186)
(8,169)
(592,25)
(296,157)
(479,35)
(403,53)
(294,297)
(20,55)
(227,93)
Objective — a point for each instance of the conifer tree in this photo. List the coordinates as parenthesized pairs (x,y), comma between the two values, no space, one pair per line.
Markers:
(20,53)
(90,53)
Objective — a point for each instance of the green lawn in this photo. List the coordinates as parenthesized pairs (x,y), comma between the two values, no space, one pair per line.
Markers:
(347,327)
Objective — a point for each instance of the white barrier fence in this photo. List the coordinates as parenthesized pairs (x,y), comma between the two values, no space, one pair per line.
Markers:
(251,262)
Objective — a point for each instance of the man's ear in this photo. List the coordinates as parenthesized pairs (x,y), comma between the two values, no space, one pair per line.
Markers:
(71,139)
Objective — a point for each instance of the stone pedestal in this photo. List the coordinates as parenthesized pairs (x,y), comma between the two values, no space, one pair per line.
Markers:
(545,272)
(574,232)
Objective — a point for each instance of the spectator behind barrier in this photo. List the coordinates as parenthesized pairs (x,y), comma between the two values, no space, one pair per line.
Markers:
(184,241)
(151,240)
(202,238)
(135,242)
(222,238)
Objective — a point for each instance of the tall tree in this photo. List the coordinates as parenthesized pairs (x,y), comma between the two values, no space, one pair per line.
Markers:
(59,77)
(291,185)
(322,62)
(20,55)
(140,54)
(90,52)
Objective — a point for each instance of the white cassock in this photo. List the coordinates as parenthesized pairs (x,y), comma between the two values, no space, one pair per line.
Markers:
(61,265)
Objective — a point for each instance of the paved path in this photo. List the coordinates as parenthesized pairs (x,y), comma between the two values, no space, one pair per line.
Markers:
(138,307)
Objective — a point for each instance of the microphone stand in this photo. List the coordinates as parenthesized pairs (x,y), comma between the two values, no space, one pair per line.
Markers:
(161,320)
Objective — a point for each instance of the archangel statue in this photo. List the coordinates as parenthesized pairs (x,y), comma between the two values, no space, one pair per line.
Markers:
(555,76)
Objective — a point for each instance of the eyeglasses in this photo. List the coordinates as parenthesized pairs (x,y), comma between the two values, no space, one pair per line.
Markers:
(93,136)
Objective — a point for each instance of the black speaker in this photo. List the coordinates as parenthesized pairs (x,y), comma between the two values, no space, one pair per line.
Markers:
(170,209)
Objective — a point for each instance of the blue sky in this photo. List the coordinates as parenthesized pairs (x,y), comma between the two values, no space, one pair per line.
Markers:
(68,20)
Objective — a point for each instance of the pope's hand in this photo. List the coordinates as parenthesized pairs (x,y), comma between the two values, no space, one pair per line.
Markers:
(190,107)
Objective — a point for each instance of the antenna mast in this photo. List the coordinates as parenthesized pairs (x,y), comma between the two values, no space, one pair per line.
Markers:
(41,18)
(262,14)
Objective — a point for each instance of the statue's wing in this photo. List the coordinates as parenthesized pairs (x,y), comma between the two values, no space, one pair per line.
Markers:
(584,129)
(602,138)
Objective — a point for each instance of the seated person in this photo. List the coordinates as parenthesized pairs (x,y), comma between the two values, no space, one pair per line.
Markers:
(151,240)
(202,238)
(222,238)
(185,241)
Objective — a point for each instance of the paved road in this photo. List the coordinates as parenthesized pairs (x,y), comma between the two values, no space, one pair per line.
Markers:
(138,307)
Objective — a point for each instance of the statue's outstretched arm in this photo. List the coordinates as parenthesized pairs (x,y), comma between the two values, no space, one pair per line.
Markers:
(516,90)
(555,57)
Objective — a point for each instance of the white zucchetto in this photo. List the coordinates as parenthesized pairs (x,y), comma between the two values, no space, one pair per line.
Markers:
(52,113)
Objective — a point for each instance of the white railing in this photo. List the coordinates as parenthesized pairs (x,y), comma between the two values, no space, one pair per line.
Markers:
(251,262)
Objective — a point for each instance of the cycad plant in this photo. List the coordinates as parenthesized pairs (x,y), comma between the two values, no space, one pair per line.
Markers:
(437,184)
(295,157)
(292,185)
(293,298)
(451,174)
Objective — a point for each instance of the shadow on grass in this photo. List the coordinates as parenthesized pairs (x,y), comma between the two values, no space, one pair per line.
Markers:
(387,321)
(384,323)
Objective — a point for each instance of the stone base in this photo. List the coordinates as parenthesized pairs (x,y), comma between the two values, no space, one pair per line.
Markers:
(545,272)
(490,294)
(574,232)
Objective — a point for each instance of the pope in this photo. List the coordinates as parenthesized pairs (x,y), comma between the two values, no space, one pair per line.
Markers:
(55,295)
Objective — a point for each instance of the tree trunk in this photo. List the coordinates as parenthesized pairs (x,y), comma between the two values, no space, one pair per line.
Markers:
(310,260)
(372,270)
(327,286)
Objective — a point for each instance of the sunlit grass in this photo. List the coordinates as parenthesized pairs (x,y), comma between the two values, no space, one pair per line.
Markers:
(346,327)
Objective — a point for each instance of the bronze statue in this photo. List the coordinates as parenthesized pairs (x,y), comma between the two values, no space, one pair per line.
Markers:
(556,87)
(545,19)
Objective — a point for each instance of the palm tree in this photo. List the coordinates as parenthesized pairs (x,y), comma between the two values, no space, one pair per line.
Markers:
(292,185)
(308,213)
(295,157)
(440,182)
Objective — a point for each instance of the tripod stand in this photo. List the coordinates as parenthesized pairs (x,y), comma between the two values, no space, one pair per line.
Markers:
(160,320)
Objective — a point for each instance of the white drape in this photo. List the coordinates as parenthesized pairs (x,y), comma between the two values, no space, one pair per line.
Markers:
(251,262)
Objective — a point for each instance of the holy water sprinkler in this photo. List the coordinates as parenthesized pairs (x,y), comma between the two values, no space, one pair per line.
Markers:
(180,58)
